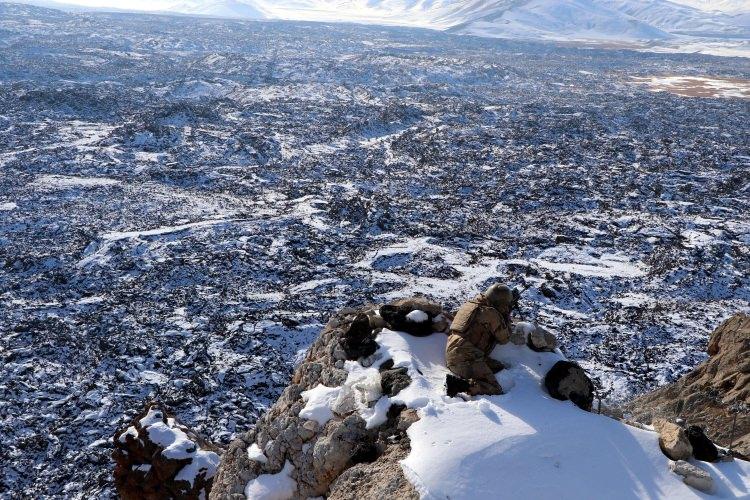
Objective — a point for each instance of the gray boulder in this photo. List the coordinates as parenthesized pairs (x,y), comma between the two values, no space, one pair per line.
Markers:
(693,476)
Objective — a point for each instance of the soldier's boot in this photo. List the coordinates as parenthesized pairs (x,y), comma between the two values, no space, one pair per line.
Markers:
(454,385)
(479,387)
(495,365)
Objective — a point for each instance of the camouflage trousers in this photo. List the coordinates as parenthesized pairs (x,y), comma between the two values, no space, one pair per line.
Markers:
(470,363)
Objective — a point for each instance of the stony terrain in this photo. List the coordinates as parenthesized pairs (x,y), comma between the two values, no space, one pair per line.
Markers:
(716,395)
(183,202)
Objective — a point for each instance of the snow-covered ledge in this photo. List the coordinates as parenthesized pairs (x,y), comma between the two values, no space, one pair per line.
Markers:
(381,426)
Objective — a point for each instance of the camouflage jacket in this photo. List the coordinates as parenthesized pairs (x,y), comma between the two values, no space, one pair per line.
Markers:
(481,324)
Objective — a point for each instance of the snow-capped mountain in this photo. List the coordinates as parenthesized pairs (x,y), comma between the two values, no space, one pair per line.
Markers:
(718,5)
(223,8)
(693,25)
(609,21)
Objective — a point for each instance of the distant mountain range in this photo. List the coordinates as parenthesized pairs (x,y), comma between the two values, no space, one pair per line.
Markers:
(720,25)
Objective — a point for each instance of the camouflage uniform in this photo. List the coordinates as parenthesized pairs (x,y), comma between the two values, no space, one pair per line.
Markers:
(475,331)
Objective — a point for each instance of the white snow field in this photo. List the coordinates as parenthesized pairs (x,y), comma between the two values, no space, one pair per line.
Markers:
(523,444)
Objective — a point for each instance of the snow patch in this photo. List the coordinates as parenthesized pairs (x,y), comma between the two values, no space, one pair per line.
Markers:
(417,316)
(586,261)
(279,486)
(255,453)
(59,182)
(319,403)
(544,447)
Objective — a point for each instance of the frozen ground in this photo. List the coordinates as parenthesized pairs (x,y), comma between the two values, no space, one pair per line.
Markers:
(183,203)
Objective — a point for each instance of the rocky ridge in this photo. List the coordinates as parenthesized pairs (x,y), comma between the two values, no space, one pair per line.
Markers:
(298,452)
(711,394)
(342,458)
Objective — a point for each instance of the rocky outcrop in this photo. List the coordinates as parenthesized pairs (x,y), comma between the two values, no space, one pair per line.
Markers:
(157,457)
(333,455)
(415,316)
(709,394)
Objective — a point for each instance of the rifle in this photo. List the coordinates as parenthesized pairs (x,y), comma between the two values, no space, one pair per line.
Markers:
(514,305)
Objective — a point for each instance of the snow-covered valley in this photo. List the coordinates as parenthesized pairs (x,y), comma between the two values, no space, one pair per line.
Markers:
(184,201)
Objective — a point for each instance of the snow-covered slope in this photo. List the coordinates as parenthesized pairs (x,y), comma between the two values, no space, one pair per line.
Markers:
(718,5)
(561,20)
(222,8)
(642,22)
(524,444)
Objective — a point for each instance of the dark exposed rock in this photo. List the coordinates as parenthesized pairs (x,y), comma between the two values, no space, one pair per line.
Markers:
(454,385)
(358,341)
(398,316)
(703,448)
(394,381)
(397,319)
(566,380)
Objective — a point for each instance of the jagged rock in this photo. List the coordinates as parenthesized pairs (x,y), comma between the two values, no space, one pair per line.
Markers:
(325,460)
(394,380)
(414,316)
(157,457)
(421,303)
(358,340)
(693,476)
(673,440)
(380,479)
(541,340)
(566,380)
(440,323)
(704,396)
(376,320)
(703,448)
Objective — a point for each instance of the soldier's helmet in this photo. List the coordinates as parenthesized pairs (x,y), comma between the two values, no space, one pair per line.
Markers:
(500,297)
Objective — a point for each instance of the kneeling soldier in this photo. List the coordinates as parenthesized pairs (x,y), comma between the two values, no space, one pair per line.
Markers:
(479,325)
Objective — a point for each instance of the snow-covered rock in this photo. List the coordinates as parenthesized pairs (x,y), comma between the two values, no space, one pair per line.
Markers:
(157,457)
